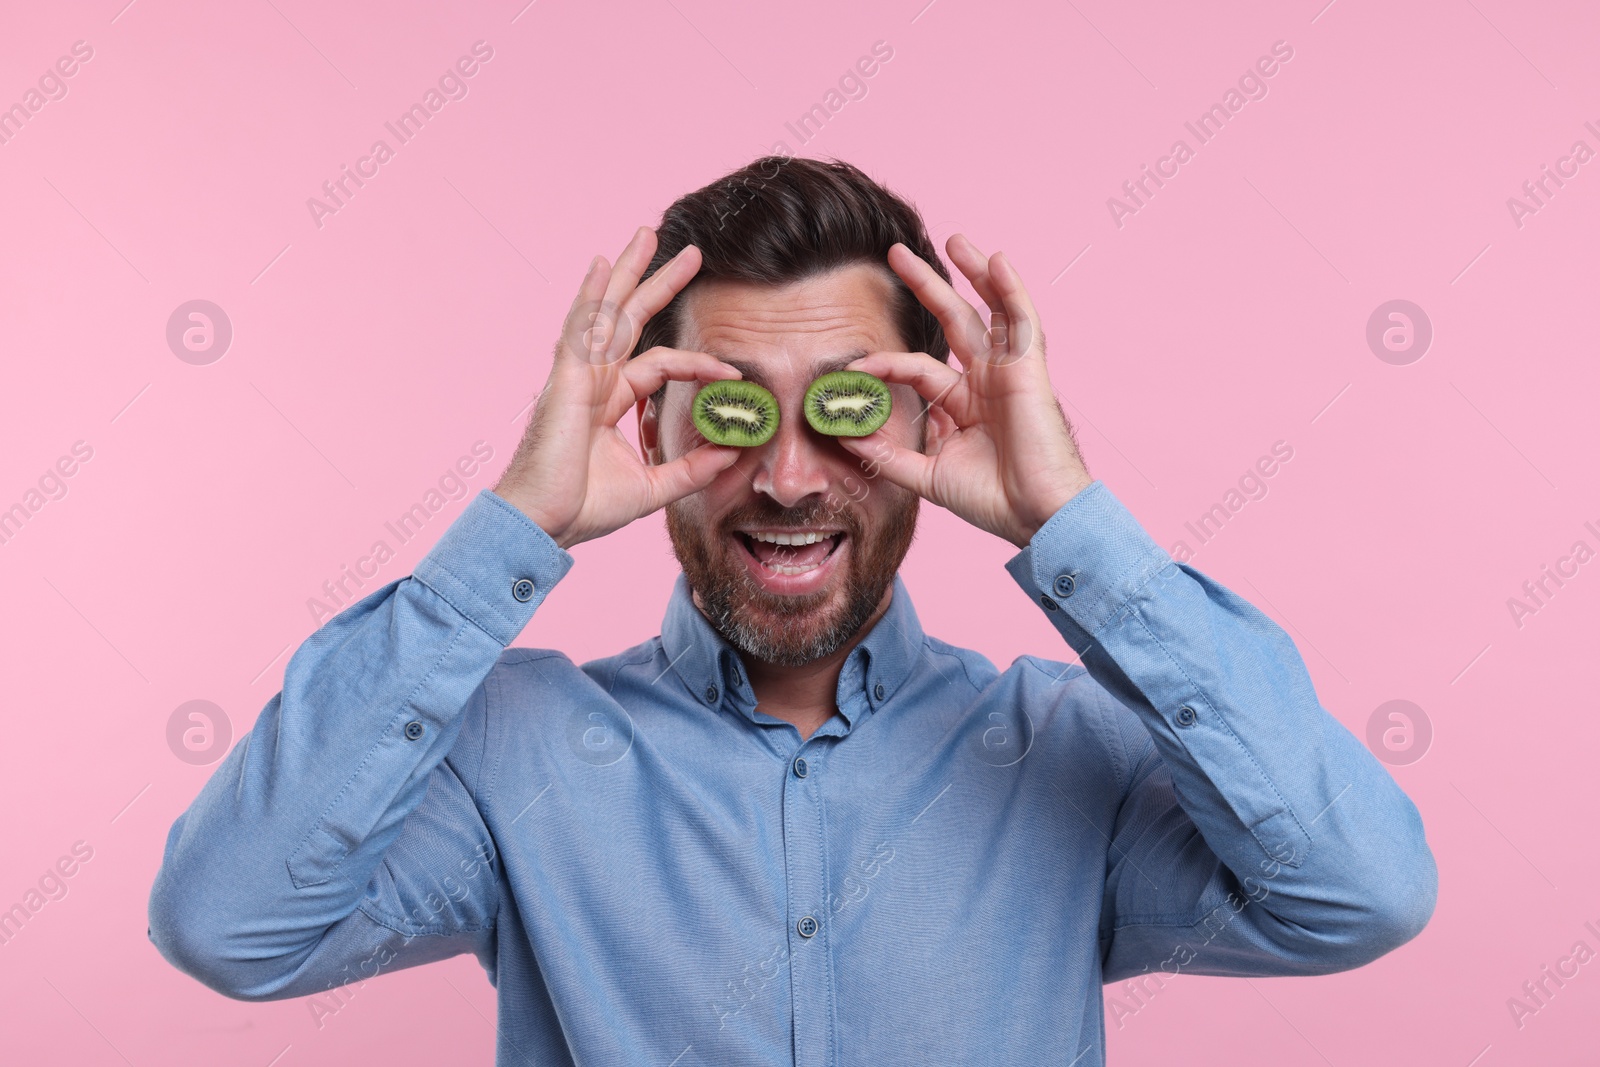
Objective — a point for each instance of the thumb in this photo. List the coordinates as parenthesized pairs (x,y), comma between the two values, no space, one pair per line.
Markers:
(905,467)
(689,473)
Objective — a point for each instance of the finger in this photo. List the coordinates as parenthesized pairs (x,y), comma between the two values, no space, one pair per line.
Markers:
(593,284)
(1018,305)
(579,318)
(1014,322)
(935,381)
(657,291)
(975,265)
(689,473)
(630,265)
(617,329)
(649,371)
(905,467)
(963,327)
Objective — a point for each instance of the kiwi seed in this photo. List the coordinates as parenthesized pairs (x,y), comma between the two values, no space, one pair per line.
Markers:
(847,403)
(735,412)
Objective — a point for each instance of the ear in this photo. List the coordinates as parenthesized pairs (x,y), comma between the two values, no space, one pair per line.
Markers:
(940,428)
(649,431)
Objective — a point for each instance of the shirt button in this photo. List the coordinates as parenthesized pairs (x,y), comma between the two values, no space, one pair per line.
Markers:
(801,769)
(877,690)
(1186,716)
(522,589)
(1049,605)
(413,730)
(711,694)
(1064,585)
(806,927)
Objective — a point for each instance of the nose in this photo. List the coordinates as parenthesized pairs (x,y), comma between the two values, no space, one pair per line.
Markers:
(793,464)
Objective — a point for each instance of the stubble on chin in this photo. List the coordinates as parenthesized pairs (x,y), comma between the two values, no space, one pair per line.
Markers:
(790,631)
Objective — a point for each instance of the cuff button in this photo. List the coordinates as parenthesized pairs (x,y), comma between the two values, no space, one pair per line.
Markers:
(1049,605)
(522,589)
(1186,716)
(1065,585)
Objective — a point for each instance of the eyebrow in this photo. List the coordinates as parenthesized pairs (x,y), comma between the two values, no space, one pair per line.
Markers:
(752,371)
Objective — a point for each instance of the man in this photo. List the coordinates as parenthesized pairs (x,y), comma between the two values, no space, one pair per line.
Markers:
(794,828)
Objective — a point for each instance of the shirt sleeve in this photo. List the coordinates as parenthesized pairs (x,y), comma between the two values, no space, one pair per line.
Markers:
(1255,834)
(340,838)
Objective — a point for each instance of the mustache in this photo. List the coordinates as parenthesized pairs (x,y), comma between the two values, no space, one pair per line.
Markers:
(768,513)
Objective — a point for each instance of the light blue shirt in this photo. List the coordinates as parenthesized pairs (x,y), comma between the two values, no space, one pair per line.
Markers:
(654,871)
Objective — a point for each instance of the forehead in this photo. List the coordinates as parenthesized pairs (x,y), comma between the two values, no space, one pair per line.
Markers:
(833,317)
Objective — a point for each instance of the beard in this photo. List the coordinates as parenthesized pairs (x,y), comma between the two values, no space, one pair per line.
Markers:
(791,631)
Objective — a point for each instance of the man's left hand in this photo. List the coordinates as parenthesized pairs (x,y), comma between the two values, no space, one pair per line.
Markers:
(1001,452)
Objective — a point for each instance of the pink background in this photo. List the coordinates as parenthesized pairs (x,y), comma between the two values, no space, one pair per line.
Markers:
(1228,313)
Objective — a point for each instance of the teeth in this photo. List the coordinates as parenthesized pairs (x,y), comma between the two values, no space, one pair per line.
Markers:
(783,568)
(789,538)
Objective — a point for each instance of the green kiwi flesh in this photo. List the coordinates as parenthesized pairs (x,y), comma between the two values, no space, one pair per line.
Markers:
(847,403)
(735,412)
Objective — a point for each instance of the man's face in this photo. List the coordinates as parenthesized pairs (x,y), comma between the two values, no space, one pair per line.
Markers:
(795,603)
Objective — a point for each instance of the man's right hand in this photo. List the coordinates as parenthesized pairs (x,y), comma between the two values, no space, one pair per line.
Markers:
(574,473)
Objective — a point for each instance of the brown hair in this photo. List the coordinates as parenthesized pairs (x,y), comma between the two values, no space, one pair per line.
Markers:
(781,219)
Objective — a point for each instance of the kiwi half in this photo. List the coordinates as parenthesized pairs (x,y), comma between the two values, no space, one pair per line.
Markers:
(735,412)
(847,403)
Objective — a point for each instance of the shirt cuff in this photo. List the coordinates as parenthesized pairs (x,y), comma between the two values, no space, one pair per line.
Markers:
(1086,562)
(495,566)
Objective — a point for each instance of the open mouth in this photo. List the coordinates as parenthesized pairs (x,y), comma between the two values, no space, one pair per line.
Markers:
(789,552)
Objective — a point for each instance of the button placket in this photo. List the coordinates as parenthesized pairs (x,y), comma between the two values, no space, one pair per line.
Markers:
(805,868)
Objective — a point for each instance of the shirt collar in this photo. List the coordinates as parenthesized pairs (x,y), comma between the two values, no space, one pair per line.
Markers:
(714,673)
